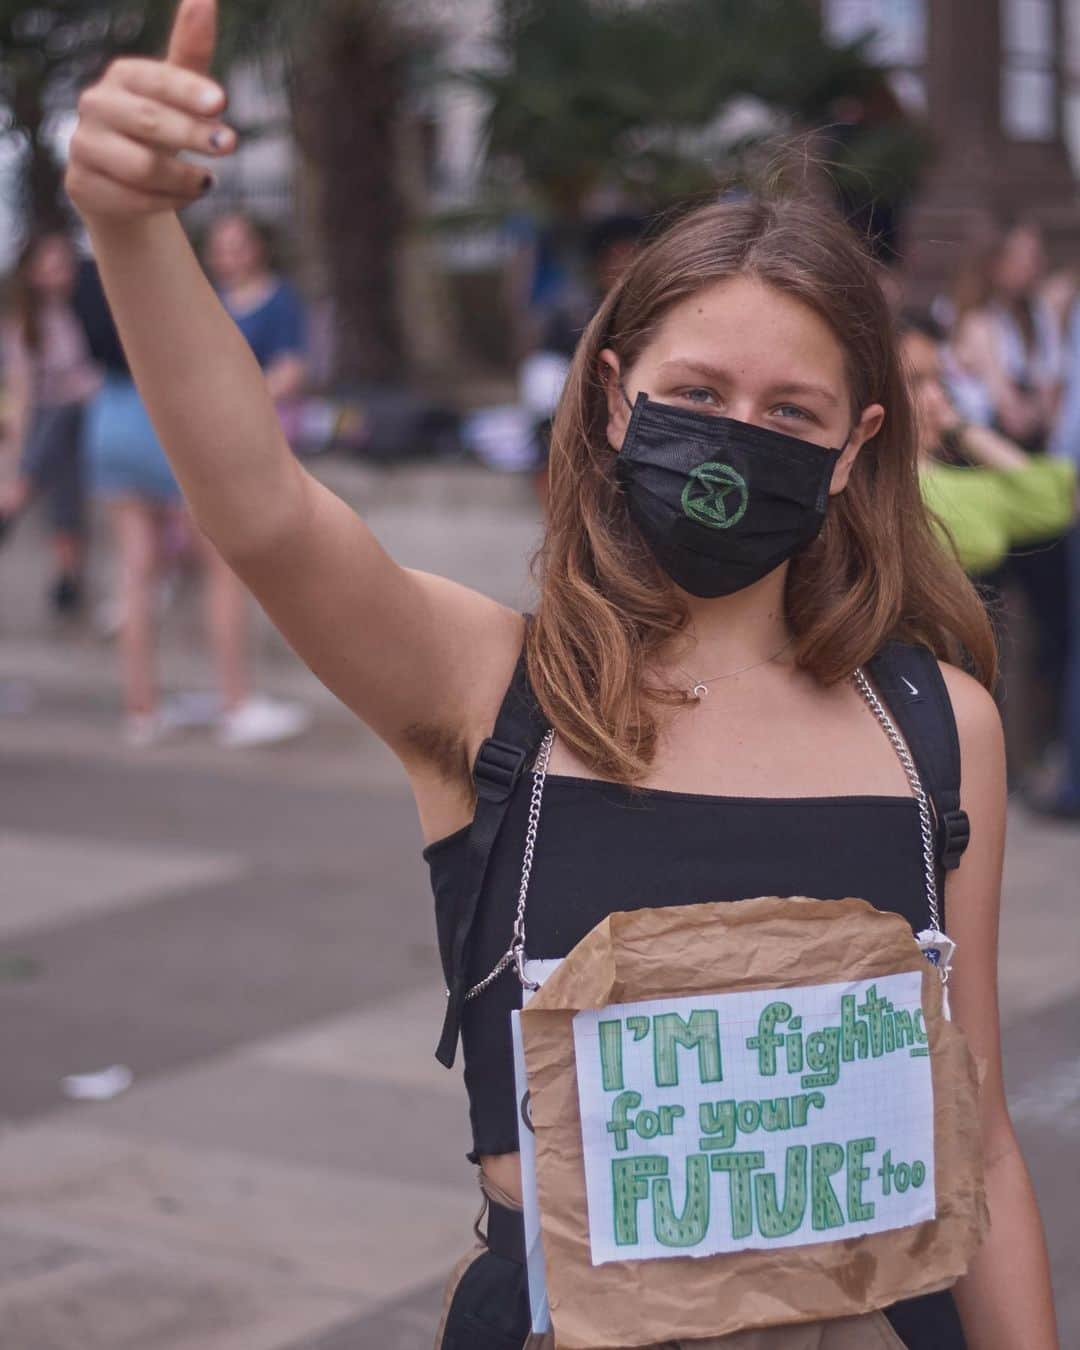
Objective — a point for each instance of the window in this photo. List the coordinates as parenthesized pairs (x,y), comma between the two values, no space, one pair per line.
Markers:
(1071,76)
(1029,77)
(898,43)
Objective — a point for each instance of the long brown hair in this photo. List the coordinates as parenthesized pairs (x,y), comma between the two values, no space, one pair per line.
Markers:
(974,286)
(876,571)
(26,299)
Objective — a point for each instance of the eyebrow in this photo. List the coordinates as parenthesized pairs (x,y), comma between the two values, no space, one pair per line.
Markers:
(796,387)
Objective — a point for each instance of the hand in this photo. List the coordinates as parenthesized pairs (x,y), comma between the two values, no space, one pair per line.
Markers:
(135,122)
(936,416)
(1020,415)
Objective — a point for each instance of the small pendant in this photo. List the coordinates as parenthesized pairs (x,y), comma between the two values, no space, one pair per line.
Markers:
(699,691)
(937,947)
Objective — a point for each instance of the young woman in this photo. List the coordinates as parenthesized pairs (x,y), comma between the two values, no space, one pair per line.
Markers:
(129,472)
(1008,337)
(759,325)
(989,495)
(266,308)
(50,377)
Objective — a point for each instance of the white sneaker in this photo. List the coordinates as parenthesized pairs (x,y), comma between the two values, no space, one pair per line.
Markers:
(144,730)
(192,711)
(262,721)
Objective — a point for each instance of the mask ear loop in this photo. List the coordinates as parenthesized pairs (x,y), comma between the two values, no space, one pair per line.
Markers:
(626,396)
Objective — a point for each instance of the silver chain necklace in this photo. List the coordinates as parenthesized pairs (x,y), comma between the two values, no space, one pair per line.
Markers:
(700,688)
(515,953)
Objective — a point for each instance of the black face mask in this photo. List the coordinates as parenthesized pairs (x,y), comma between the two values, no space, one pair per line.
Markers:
(720,503)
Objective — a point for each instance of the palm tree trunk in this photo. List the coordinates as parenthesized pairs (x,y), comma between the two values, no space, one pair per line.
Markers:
(348,96)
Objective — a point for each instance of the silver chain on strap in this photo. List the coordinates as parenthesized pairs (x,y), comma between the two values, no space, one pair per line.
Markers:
(515,953)
(926,824)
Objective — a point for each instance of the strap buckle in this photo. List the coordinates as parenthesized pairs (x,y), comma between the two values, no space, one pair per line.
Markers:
(498,767)
(954,835)
(446,1050)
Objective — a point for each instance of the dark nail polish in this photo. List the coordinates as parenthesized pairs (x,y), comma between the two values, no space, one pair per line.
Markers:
(218,140)
(207,183)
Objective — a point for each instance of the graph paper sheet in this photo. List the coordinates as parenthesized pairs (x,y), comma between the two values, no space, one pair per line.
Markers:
(775,1118)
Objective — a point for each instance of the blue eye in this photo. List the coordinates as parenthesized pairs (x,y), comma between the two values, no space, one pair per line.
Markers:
(697,395)
(788,410)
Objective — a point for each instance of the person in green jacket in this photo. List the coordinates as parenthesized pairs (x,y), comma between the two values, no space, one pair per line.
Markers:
(987,495)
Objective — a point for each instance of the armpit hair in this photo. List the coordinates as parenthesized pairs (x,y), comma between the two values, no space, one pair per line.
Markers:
(443,749)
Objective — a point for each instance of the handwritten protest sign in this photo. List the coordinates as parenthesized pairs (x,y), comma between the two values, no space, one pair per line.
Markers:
(757,1119)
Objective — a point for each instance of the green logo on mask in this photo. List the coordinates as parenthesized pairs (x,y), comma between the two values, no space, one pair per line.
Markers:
(715,496)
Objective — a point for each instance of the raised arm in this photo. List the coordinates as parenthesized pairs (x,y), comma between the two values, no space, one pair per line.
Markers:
(418,658)
(985,446)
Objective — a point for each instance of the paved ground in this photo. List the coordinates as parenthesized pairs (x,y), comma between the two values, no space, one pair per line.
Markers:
(251,934)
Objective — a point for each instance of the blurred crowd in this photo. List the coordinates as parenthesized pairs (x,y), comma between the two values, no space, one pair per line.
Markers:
(75,432)
(994,364)
(995,370)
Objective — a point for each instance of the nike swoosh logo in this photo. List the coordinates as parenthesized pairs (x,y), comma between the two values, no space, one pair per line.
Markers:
(909,684)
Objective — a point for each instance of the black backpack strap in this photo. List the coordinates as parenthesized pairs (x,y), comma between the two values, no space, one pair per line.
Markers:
(910,682)
(500,763)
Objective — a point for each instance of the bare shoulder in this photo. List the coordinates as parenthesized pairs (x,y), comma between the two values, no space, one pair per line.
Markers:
(471,606)
(973,891)
(495,630)
(978,724)
(438,754)
(487,641)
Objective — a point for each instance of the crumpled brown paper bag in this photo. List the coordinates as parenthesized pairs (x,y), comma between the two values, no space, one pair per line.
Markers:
(767,943)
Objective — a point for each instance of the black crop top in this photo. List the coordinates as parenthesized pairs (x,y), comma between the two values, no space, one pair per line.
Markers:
(603,847)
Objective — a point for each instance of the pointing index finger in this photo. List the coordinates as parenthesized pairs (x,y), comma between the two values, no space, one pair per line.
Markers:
(194,36)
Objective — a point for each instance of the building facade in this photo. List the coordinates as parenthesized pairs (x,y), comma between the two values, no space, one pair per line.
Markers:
(998,82)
